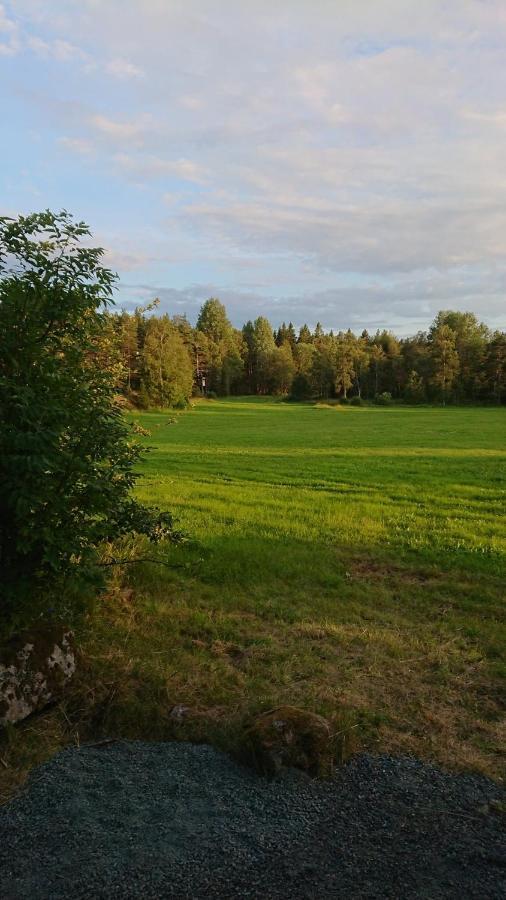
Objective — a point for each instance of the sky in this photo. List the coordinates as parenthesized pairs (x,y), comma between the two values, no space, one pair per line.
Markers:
(341,161)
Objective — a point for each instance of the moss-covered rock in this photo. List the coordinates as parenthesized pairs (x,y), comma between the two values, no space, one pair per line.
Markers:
(289,737)
(35,666)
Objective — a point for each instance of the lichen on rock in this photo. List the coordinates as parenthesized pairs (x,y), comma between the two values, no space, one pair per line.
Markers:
(34,669)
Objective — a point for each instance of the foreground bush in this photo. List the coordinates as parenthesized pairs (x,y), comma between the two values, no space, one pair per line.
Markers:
(67,455)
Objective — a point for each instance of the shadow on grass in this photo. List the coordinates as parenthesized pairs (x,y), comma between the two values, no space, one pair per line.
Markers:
(400,649)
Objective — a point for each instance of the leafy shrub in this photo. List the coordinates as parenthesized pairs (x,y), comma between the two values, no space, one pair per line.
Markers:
(67,455)
(357,401)
(212,395)
(384,399)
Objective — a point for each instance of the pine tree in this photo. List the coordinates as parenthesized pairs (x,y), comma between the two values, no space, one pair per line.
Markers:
(224,363)
(305,336)
(445,360)
(291,336)
(318,332)
(263,347)
(471,338)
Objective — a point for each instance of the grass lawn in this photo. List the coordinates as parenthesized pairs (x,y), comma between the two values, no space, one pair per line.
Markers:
(350,560)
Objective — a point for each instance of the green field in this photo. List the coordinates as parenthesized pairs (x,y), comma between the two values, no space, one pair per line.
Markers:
(250,478)
(350,560)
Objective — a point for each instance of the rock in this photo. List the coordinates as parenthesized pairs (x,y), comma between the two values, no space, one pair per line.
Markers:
(35,667)
(179,712)
(289,737)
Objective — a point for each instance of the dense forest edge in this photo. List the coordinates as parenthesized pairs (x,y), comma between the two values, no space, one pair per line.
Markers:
(163,360)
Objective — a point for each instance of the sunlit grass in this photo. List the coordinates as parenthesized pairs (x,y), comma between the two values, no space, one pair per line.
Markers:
(350,560)
(406,478)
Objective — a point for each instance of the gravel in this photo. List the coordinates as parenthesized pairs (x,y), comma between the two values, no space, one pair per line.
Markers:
(137,820)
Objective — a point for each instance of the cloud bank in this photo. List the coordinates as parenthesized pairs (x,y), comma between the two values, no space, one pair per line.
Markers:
(333,161)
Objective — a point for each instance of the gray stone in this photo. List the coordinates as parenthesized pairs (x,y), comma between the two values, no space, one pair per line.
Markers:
(35,667)
(289,737)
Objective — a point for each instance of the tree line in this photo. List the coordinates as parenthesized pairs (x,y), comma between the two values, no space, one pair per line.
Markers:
(68,454)
(163,360)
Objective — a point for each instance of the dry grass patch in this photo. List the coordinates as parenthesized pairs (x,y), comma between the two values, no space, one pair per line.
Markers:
(388,689)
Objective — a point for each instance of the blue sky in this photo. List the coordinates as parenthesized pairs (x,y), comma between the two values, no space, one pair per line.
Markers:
(304,159)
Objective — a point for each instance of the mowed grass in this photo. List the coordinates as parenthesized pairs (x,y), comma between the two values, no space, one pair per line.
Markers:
(348,560)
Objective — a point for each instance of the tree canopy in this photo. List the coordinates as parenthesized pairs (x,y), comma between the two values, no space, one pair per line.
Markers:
(457,360)
(67,454)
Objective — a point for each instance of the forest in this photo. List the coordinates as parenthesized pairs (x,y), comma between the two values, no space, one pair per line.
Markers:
(163,360)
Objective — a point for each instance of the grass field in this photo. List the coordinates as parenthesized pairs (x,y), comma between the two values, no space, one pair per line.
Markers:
(350,560)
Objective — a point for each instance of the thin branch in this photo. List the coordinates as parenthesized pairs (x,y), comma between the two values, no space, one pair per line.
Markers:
(142,559)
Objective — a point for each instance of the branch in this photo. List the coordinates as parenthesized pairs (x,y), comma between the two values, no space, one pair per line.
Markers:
(142,559)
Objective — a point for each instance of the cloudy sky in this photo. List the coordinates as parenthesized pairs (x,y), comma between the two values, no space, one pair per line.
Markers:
(332,160)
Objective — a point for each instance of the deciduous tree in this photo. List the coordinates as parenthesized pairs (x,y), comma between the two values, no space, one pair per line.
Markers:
(67,455)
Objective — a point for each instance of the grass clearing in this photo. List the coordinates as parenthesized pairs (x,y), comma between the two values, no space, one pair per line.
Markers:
(349,560)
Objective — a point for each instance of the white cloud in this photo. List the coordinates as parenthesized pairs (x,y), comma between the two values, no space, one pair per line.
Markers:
(117,130)
(125,260)
(77,145)
(15,37)
(189,102)
(58,50)
(497,118)
(406,305)
(323,138)
(9,35)
(150,166)
(122,69)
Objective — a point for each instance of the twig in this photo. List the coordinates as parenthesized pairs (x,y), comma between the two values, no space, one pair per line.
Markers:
(65,716)
(101,743)
(343,731)
(142,559)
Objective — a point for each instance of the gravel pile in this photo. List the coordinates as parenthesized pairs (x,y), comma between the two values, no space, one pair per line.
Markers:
(135,820)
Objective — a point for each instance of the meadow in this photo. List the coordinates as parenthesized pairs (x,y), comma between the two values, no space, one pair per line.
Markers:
(345,559)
